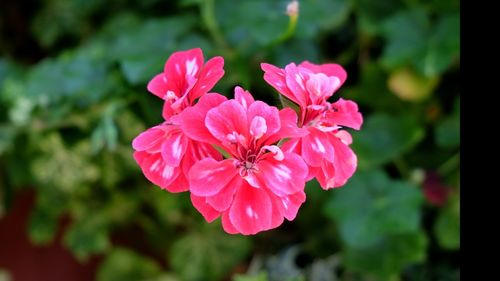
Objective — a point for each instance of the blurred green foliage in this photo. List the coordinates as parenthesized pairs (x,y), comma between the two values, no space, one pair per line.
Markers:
(72,103)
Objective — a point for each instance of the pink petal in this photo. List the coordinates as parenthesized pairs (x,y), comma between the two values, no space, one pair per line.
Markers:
(158,85)
(227,122)
(344,136)
(174,148)
(210,74)
(283,177)
(326,175)
(316,147)
(181,65)
(156,171)
(345,113)
(201,150)
(149,139)
(296,81)
(197,151)
(288,126)
(313,172)
(275,77)
(321,87)
(243,97)
(345,163)
(167,111)
(269,113)
(208,177)
(258,127)
(336,173)
(180,183)
(222,200)
(277,212)
(292,203)
(227,225)
(275,150)
(192,119)
(330,69)
(251,211)
(209,213)
(292,145)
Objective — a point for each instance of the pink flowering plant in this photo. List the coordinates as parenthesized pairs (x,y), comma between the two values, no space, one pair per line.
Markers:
(243,160)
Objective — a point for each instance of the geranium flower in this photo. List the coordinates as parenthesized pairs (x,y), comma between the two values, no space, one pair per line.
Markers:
(165,156)
(184,79)
(163,152)
(257,185)
(326,148)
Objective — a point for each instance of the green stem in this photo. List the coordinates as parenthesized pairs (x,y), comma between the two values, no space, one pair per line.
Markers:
(208,16)
(292,24)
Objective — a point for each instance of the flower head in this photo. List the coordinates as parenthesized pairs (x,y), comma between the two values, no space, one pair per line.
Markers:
(163,152)
(184,79)
(258,185)
(165,156)
(326,148)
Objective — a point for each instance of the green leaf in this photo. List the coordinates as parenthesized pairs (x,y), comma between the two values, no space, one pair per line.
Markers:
(79,78)
(7,134)
(447,226)
(72,165)
(59,18)
(105,135)
(406,34)
(387,258)
(384,138)
(207,256)
(249,23)
(43,225)
(412,38)
(88,236)
(372,14)
(261,22)
(371,207)
(320,15)
(261,276)
(144,48)
(448,130)
(296,50)
(443,46)
(123,264)
(372,91)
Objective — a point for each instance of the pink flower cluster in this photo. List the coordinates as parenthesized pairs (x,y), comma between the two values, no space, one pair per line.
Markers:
(241,159)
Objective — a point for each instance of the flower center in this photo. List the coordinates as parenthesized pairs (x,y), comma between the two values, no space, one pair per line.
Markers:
(247,165)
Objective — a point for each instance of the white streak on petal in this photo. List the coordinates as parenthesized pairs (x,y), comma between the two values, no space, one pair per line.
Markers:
(154,166)
(168,171)
(282,172)
(191,67)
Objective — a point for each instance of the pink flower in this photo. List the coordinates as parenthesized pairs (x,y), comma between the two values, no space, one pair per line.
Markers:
(258,185)
(163,152)
(326,148)
(165,156)
(184,79)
